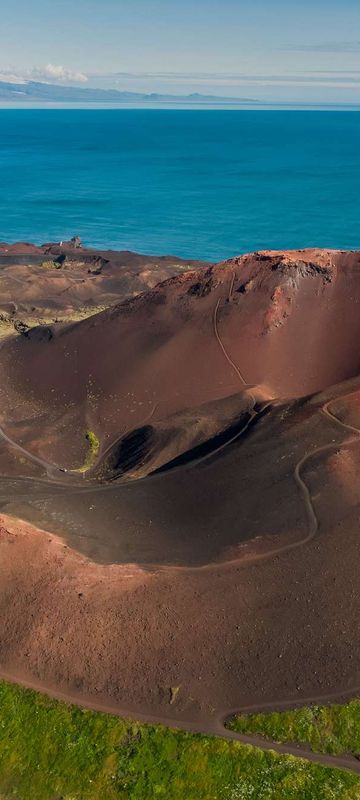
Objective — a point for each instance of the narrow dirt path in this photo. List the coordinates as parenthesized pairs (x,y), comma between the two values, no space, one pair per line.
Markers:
(329,414)
(214,727)
(312,518)
(343,761)
(304,490)
(313,521)
(219,340)
(347,762)
(49,468)
(47,465)
(231,286)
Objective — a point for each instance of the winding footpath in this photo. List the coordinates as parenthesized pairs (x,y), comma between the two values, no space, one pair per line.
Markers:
(212,727)
(217,726)
(345,761)
(312,518)
(49,468)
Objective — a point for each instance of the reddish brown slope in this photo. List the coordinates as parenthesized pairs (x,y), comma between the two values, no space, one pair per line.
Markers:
(279,505)
(269,319)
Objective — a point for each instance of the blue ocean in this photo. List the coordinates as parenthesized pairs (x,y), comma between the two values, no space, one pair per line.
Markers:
(207,184)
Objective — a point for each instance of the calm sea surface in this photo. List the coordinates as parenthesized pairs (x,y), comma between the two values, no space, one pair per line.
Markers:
(192,183)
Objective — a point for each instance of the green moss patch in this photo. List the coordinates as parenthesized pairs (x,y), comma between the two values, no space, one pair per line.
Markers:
(50,750)
(91,455)
(50,264)
(327,729)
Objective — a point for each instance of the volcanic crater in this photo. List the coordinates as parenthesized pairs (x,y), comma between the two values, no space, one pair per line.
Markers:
(205,535)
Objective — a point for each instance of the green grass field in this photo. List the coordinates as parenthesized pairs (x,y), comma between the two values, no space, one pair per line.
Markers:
(327,729)
(52,751)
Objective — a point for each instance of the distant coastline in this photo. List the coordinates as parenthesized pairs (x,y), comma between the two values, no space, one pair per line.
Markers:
(35,94)
(175,106)
(29,92)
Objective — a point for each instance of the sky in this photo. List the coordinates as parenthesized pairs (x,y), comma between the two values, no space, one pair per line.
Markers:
(270,50)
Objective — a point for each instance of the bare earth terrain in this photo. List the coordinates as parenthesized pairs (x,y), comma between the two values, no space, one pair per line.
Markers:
(207,560)
(41,285)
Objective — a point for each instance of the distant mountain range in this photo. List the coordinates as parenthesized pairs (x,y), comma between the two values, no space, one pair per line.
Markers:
(34,91)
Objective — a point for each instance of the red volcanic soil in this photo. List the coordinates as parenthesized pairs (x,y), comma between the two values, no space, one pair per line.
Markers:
(229,568)
(269,319)
(247,633)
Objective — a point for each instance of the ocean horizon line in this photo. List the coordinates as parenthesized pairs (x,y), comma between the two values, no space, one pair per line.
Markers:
(127,106)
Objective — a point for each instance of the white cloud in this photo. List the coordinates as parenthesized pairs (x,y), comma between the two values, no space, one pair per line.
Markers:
(58,73)
(10,77)
(50,73)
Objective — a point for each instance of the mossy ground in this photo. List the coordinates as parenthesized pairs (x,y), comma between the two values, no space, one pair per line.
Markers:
(53,751)
(327,729)
(9,321)
(50,264)
(92,452)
